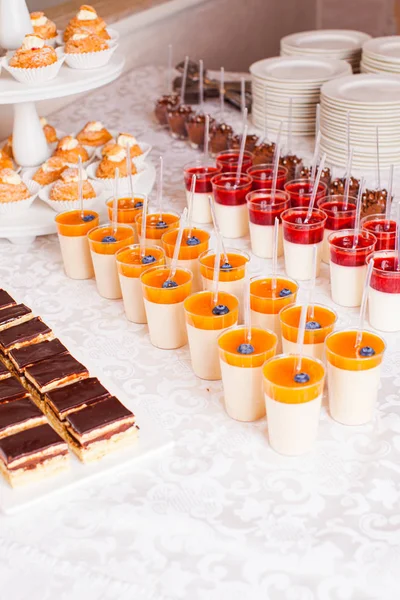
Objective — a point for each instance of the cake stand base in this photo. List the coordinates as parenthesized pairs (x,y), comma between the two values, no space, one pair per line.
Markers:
(30,147)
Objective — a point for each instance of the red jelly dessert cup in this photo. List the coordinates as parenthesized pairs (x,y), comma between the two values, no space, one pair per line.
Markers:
(261,209)
(228,160)
(228,192)
(262,176)
(384,231)
(300,191)
(204,174)
(298,230)
(338,215)
(348,252)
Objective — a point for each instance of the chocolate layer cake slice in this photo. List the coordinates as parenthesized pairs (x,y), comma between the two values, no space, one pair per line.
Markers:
(57,371)
(32,332)
(30,355)
(11,389)
(19,415)
(100,428)
(14,315)
(32,454)
(4,372)
(5,299)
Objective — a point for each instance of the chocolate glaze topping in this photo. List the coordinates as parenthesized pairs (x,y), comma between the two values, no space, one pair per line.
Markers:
(13,312)
(29,442)
(71,396)
(100,414)
(25,332)
(30,355)
(55,368)
(20,411)
(6,299)
(11,389)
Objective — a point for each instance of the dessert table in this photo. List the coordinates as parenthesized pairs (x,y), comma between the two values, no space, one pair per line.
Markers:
(220,516)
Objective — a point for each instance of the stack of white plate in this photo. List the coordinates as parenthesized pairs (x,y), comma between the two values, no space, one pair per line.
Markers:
(381,55)
(278,81)
(367,102)
(339,44)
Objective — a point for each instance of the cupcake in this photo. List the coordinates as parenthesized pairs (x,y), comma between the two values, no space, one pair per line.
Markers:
(15,196)
(67,187)
(115,158)
(5,160)
(50,170)
(82,43)
(94,134)
(124,140)
(33,54)
(43,26)
(49,131)
(70,150)
(86,21)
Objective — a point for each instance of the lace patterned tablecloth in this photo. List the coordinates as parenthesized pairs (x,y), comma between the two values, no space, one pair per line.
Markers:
(221,516)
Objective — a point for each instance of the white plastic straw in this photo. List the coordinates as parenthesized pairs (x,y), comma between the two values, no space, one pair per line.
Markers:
(389,194)
(290,126)
(115,203)
(313,282)
(80,187)
(184,77)
(315,189)
(364,300)
(397,241)
(318,120)
(222,93)
(300,337)
(275,173)
(358,213)
(275,255)
(241,155)
(265,113)
(378,166)
(201,85)
(206,137)
(190,211)
(174,261)
(242,94)
(218,235)
(160,189)
(129,170)
(247,310)
(143,228)
(217,265)
(316,156)
(348,178)
(348,134)
(169,70)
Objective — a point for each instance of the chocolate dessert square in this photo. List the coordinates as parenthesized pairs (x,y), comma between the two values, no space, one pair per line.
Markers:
(4,372)
(31,332)
(5,299)
(32,454)
(14,315)
(73,397)
(11,389)
(54,372)
(19,415)
(30,355)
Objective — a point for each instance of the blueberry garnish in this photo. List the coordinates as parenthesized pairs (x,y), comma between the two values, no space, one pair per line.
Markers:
(161,224)
(109,239)
(148,259)
(88,218)
(245,349)
(220,309)
(367,351)
(138,205)
(226,266)
(284,292)
(313,325)
(302,378)
(193,241)
(169,284)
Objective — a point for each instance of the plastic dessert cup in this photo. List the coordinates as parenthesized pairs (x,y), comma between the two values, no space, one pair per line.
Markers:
(104,243)
(201,212)
(338,217)
(242,373)
(231,275)
(299,239)
(262,176)
(262,214)
(293,408)
(164,306)
(128,209)
(384,231)
(318,326)
(266,303)
(348,265)
(353,375)
(300,192)
(131,264)
(156,227)
(230,204)
(189,251)
(72,235)
(203,328)
(195,127)
(228,160)
(384,291)
(177,119)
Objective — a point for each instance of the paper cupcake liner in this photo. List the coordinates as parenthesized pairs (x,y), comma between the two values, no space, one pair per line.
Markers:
(34,76)
(108,183)
(63,205)
(138,161)
(90,60)
(20,206)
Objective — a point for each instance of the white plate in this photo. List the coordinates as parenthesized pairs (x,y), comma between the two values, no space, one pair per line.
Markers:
(326,41)
(301,69)
(383,48)
(367,90)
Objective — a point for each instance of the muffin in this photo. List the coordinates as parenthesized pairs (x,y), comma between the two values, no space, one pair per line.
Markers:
(50,170)
(94,134)
(33,54)
(67,187)
(70,150)
(82,43)
(115,158)
(7,148)
(86,21)
(43,26)
(5,160)
(123,140)
(49,131)
(12,188)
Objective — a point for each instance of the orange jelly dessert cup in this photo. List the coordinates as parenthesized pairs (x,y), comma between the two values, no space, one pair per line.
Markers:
(194,242)
(155,231)
(72,227)
(128,208)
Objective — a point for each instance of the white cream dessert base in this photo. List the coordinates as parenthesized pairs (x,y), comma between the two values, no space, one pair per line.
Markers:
(299,259)
(347,284)
(106,273)
(243,392)
(204,352)
(231,287)
(292,428)
(76,257)
(311,350)
(148,242)
(201,212)
(326,252)
(271,322)
(384,310)
(233,221)
(262,240)
(132,296)
(167,326)
(194,266)
(353,394)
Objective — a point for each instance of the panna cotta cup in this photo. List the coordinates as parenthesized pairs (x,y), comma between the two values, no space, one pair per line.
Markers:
(266,302)
(230,203)
(354,374)
(164,306)
(384,230)
(104,243)
(228,160)
(72,234)
(300,192)
(156,226)
(242,376)
(262,176)
(339,216)
(190,250)
(127,208)
(231,274)
(205,321)
(131,264)
(319,324)
(300,236)
(384,291)
(263,210)
(293,407)
(348,265)
(201,212)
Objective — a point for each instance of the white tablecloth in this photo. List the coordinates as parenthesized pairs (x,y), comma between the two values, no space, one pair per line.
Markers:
(221,516)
